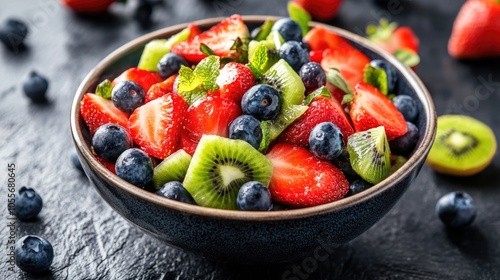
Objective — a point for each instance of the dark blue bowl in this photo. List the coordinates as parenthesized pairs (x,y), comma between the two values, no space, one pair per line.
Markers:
(251,237)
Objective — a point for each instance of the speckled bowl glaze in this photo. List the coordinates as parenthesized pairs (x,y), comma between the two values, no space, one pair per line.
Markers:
(251,237)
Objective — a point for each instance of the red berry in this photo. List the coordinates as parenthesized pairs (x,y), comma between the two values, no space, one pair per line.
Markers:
(234,80)
(88,6)
(160,89)
(97,111)
(143,78)
(321,10)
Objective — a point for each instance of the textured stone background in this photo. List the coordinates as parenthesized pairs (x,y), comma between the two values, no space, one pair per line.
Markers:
(92,242)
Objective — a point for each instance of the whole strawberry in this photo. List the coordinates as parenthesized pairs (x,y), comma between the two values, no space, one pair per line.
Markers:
(476,31)
(320,9)
(88,6)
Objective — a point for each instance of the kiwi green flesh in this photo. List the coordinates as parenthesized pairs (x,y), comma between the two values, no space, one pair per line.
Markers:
(220,166)
(287,116)
(463,145)
(287,82)
(369,154)
(172,168)
(397,162)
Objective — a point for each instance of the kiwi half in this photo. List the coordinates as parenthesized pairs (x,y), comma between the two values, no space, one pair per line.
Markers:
(172,168)
(369,154)
(463,146)
(220,166)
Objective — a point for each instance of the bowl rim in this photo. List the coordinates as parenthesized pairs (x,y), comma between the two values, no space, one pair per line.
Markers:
(415,159)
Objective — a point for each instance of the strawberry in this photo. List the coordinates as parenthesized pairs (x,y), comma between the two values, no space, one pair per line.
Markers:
(234,80)
(320,9)
(370,108)
(156,126)
(320,110)
(210,115)
(160,89)
(300,179)
(88,6)
(349,61)
(476,30)
(194,31)
(319,38)
(143,78)
(97,111)
(220,38)
(108,164)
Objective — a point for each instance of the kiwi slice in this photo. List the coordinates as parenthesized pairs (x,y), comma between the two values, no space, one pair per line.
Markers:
(220,166)
(172,168)
(397,162)
(463,146)
(369,154)
(156,49)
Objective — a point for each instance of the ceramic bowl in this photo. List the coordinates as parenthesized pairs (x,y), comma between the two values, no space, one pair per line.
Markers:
(250,237)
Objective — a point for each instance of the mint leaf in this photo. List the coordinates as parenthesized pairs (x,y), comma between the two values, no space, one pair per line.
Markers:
(264,30)
(301,16)
(192,96)
(104,89)
(347,98)
(408,57)
(194,84)
(335,78)
(259,61)
(265,126)
(206,49)
(207,72)
(187,79)
(322,91)
(376,77)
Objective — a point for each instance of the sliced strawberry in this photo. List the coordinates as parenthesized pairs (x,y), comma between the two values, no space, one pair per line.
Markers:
(97,111)
(187,144)
(300,179)
(234,80)
(156,126)
(321,10)
(319,38)
(316,56)
(370,108)
(212,116)
(194,31)
(143,78)
(160,89)
(220,38)
(348,60)
(320,110)
(88,6)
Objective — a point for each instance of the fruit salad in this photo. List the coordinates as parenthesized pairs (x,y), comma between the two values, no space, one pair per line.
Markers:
(280,117)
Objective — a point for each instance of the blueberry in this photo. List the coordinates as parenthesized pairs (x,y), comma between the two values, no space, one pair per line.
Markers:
(405,144)
(358,186)
(254,196)
(325,141)
(143,13)
(343,163)
(110,140)
(135,167)
(127,96)
(247,128)
(262,101)
(33,253)
(288,29)
(28,204)
(176,191)
(170,64)
(305,45)
(35,87)
(390,71)
(12,34)
(456,209)
(75,160)
(313,76)
(407,106)
(294,54)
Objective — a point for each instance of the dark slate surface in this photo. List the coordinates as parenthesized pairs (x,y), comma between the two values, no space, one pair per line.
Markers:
(92,242)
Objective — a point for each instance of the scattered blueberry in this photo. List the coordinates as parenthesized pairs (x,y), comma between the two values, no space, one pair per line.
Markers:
(176,191)
(325,141)
(110,140)
(12,34)
(247,128)
(294,54)
(28,204)
(288,29)
(456,209)
(254,196)
(305,45)
(343,163)
(33,254)
(405,144)
(390,71)
(407,106)
(262,101)
(35,87)
(75,160)
(127,96)
(358,186)
(313,76)
(170,64)
(135,167)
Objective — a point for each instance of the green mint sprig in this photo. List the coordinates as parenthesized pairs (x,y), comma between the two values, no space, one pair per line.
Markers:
(194,84)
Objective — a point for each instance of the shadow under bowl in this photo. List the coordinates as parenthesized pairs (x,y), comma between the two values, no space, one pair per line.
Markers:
(241,236)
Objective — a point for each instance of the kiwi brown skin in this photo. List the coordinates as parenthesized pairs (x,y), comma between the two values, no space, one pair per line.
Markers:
(480,134)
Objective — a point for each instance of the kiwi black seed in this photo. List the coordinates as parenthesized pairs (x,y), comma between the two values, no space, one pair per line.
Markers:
(220,166)
(369,154)
(463,146)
